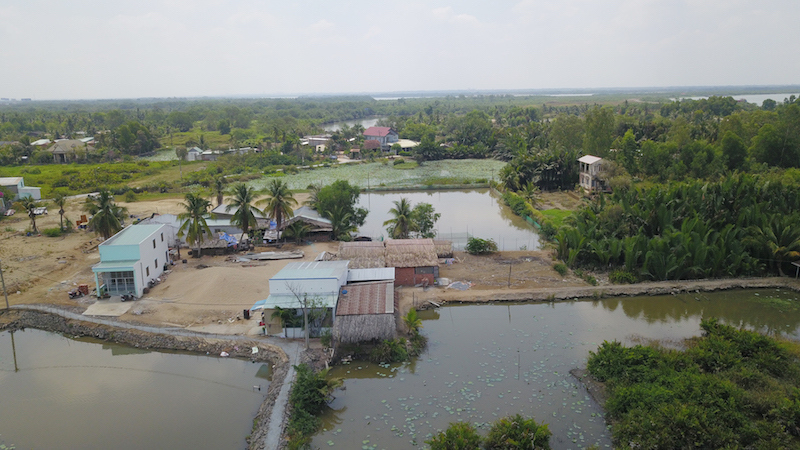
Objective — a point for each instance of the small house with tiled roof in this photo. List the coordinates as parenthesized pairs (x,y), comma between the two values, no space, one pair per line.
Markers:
(385,135)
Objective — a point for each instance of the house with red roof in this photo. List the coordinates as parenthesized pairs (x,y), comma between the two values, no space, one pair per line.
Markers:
(385,135)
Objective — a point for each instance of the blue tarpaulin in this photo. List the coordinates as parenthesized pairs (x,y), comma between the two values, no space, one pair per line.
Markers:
(229,239)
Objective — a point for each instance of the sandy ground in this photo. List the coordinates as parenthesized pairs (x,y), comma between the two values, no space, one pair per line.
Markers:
(210,293)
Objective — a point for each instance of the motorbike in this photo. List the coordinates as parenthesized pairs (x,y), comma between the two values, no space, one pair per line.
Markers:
(73,294)
(128,297)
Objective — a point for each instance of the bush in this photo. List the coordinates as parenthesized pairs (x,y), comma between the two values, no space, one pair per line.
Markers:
(458,436)
(517,432)
(52,232)
(310,393)
(478,246)
(325,338)
(561,268)
(622,277)
(390,350)
(130,197)
(731,388)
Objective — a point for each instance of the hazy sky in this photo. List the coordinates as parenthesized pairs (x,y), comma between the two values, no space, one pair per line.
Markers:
(72,49)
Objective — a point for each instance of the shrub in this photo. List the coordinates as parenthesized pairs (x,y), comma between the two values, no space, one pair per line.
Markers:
(310,393)
(458,436)
(622,277)
(478,246)
(130,197)
(52,232)
(517,432)
(561,268)
(390,350)
(325,338)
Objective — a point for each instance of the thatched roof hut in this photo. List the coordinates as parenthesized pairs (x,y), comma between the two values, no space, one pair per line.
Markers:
(411,253)
(444,249)
(365,313)
(363,255)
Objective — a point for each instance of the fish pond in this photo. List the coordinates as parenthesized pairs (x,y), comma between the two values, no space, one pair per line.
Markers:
(488,361)
(63,393)
(464,213)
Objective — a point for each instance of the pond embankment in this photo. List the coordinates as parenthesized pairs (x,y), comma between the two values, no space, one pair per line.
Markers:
(616,290)
(52,319)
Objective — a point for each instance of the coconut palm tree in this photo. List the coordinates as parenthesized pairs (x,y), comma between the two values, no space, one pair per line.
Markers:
(107,216)
(341,221)
(531,193)
(194,220)
(313,197)
(412,321)
(402,222)
(279,202)
(60,200)
(29,205)
(218,188)
(285,315)
(243,199)
(298,231)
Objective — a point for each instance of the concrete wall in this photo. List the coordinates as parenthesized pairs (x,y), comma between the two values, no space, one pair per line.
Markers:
(154,252)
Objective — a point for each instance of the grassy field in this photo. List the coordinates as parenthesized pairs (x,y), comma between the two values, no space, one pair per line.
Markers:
(212,139)
(556,216)
(371,175)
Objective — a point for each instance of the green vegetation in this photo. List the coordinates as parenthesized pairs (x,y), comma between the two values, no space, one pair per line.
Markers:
(107,216)
(508,433)
(730,388)
(29,205)
(741,225)
(337,202)
(561,268)
(310,394)
(409,222)
(194,225)
(52,232)
(478,246)
(279,202)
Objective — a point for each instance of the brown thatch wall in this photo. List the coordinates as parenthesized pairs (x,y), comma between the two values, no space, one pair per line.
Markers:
(363,328)
(363,255)
(444,249)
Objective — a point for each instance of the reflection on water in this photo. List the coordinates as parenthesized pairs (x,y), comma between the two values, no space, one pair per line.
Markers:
(63,393)
(488,361)
(464,214)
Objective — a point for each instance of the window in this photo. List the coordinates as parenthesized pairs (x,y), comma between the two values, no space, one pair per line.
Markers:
(154,243)
(156,264)
(162,237)
(147,270)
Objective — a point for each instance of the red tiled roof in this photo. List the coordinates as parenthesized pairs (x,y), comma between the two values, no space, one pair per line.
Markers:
(367,298)
(377,131)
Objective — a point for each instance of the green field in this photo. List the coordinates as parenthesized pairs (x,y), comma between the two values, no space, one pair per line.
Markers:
(375,175)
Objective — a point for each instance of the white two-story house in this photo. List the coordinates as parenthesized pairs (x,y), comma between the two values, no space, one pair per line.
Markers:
(131,259)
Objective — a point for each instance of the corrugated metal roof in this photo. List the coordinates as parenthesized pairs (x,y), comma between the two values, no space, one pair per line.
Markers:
(305,270)
(133,235)
(377,274)
(366,298)
(10,181)
(290,301)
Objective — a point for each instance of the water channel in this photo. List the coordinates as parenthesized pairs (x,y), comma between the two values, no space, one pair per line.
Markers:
(488,361)
(465,213)
(63,393)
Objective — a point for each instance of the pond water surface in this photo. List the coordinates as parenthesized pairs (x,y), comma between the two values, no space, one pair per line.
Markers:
(488,361)
(464,214)
(57,392)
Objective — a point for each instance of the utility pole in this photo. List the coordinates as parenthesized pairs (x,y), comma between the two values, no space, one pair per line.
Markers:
(4,284)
